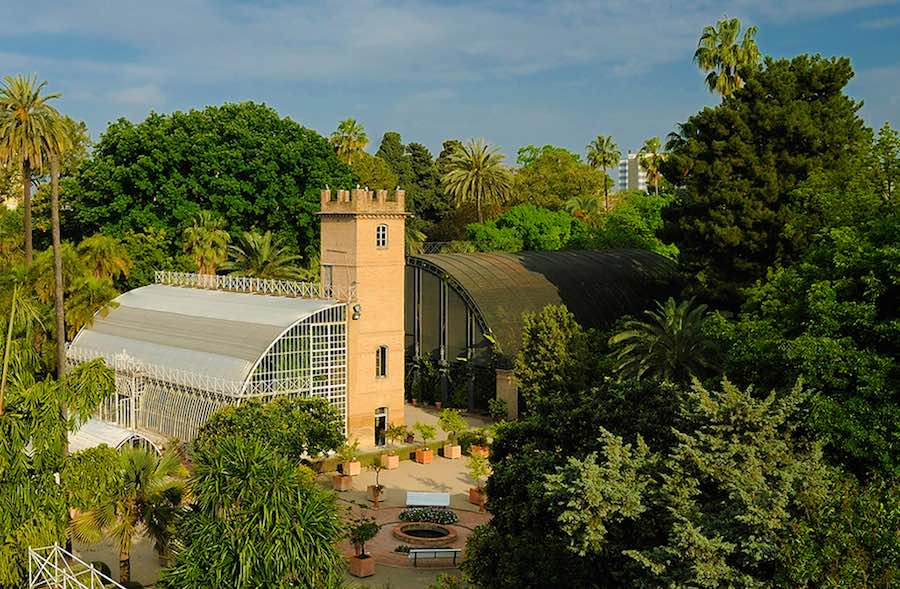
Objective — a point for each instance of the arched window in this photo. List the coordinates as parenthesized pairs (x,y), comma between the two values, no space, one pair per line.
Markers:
(381,236)
(381,362)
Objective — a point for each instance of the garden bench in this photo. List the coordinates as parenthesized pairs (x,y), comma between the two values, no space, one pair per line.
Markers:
(432,553)
(418,499)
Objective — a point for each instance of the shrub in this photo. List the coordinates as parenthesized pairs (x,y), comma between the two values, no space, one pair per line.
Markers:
(497,409)
(403,549)
(472,437)
(453,424)
(429,515)
(361,532)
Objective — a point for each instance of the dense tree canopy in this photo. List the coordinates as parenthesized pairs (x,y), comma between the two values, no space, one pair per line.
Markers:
(740,162)
(241,161)
(525,227)
(548,176)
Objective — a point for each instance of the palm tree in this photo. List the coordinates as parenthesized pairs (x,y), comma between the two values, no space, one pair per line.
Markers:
(584,207)
(349,139)
(29,126)
(263,256)
(719,54)
(671,345)
(475,173)
(23,314)
(207,242)
(603,154)
(146,503)
(104,256)
(650,158)
(415,240)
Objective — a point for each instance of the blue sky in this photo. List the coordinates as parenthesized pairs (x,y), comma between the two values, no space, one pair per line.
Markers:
(515,72)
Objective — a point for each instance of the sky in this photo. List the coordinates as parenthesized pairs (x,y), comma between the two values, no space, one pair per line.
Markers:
(514,72)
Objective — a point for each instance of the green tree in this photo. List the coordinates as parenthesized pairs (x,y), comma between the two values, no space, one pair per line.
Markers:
(298,429)
(374,172)
(742,162)
(33,509)
(349,140)
(525,227)
(146,503)
(603,154)
(725,60)
(476,174)
(148,251)
(392,151)
(104,257)
(242,162)
(650,158)
(670,345)
(549,176)
(262,255)
(887,160)
(633,223)
(30,129)
(256,520)
(206,241)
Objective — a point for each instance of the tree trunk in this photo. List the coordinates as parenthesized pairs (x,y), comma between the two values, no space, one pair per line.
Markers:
(57,269)
(6,346)
(478,206)
(26,202)
(124,566)
(605,195)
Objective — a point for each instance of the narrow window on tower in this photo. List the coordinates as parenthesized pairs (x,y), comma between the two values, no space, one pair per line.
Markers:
(381,236)
(381,360)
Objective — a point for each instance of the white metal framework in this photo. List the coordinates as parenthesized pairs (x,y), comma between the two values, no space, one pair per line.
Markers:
(309,358)
(290,288)
(52,567)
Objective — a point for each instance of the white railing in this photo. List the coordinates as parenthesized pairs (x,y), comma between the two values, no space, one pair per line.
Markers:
(248,284)
(124,364)
(53,567)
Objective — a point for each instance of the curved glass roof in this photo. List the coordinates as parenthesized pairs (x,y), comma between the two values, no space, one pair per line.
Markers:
(597,286)
(207,332)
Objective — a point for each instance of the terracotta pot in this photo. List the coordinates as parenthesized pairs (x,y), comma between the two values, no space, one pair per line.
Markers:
(342,482)
(413,401)
(362,567)
(390,461)
(352,468)
(438,405)
(452,451)
(476,450)
(475,496)
(424,456)
(370,492)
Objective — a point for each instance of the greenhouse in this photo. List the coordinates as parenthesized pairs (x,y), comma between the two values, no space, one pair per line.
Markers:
(187,345)
(470,305)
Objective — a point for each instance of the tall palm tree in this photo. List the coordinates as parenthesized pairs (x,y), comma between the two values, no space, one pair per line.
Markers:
(603,154)
(349,139)
(671,345)
(149,498)
(650,158)
(584,207)
(262,255)
(719,54)
(104,256)
(207,242)
(475,173)
(28,126)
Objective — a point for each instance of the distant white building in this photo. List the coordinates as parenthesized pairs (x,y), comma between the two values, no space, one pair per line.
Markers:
(631,174)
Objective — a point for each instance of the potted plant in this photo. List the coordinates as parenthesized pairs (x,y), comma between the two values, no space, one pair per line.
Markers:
(394,433)
(425,455)
(479,445)
(349,454)
(479,471)
(453,424)
(376,489)
(361,531)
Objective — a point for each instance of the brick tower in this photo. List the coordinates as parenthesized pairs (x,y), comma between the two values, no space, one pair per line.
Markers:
(363,252)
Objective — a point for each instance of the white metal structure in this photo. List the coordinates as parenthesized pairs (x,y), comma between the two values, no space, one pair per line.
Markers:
(52,567)
(288,288)
(180,353)
(94,432)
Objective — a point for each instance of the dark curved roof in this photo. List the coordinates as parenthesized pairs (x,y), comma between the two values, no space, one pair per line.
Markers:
(598,287)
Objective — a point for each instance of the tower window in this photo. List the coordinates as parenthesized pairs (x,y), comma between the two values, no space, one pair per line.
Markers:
(381,236)
(381,360)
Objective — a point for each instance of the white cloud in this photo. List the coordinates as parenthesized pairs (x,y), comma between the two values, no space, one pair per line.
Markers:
(877,24)
(147,95)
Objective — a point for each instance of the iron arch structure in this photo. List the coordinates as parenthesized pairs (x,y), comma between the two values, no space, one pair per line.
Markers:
(188,345)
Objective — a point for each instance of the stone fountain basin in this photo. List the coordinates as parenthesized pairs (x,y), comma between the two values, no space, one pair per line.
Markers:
(425,534)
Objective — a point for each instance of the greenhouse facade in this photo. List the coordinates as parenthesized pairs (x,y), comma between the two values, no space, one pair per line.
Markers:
(189,344)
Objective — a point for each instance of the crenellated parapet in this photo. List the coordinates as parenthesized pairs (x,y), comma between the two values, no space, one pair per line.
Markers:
(363,201)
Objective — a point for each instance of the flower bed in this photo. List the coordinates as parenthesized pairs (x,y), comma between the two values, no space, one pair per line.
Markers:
(430,515)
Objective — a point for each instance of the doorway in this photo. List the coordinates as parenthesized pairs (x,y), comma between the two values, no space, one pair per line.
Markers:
(381,420)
